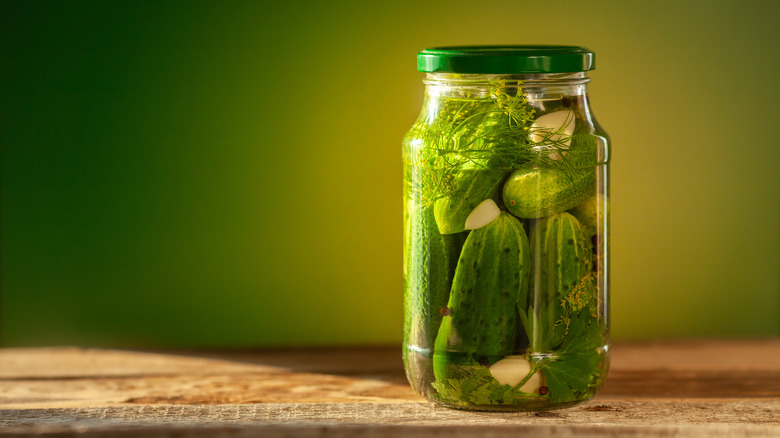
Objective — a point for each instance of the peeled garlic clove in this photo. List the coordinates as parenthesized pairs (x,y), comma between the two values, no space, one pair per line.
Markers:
(511,370)
(534,383)
(552,127)
(483,214)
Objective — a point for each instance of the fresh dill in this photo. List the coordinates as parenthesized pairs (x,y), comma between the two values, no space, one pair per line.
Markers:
(478,387)
(490,131)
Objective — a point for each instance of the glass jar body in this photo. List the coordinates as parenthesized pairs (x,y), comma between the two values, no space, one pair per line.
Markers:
(506,267)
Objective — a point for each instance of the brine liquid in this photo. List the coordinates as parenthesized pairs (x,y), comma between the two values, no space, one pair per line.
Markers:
(554,333)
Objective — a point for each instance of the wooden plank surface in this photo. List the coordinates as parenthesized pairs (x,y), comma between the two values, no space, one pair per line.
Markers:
(681,388)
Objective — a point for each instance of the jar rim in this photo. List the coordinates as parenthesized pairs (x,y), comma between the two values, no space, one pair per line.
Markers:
(509,59)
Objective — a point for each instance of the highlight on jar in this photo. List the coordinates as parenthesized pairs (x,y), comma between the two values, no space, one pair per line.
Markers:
(506,240)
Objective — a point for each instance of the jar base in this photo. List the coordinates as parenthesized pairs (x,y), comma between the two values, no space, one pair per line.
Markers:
(529,407)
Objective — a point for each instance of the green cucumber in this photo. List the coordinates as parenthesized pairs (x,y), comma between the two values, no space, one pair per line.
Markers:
(538,192)
(591,213)
(562,255)
(535,190)
(471,186)
(429,265)
(491,280)
(561,264)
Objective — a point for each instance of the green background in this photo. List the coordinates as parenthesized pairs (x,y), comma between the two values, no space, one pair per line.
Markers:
(228,173)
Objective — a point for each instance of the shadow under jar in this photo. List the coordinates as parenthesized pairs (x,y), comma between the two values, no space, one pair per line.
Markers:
(506,215)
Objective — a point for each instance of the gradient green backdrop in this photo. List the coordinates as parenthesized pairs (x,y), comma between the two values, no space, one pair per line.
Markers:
(228,173)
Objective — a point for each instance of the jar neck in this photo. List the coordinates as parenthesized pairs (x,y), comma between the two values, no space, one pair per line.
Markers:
(543,92)
(540,86)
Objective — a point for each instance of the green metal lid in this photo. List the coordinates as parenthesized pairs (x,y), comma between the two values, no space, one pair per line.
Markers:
(506,59)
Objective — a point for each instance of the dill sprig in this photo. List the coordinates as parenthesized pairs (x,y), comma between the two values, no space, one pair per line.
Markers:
(492,131)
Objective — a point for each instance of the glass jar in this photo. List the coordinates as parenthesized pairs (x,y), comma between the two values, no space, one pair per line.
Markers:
(506,264)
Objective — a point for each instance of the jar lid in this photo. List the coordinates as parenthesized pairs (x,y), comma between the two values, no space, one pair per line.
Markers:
(506,59)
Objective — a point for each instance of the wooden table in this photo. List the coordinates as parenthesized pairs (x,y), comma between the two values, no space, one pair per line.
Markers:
(727,388)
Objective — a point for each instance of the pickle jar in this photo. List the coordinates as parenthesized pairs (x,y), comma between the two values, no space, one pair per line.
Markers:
(506,240)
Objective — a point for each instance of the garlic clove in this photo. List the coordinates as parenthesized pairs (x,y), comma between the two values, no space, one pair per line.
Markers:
(556,125)
(484,213)
(553,127)
(511,370)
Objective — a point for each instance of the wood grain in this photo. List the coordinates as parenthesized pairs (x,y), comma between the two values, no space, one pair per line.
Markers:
(682,388)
